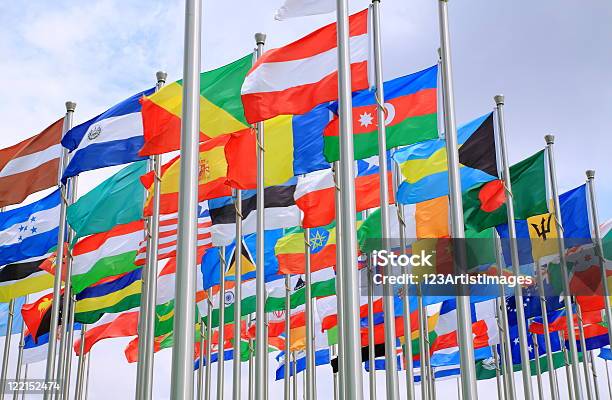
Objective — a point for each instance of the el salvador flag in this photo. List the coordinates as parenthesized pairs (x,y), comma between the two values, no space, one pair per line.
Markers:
(112,138)
(29,231)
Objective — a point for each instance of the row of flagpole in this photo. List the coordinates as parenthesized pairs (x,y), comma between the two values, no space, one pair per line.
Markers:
(350,383)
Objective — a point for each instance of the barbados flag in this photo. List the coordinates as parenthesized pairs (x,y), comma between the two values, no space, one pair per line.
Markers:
(424,165)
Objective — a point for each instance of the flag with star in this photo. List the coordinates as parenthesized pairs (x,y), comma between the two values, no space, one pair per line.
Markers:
(291,250)
(411,107)
(29,231)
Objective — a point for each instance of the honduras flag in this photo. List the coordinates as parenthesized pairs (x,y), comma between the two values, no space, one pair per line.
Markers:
(29,231)
(112,138)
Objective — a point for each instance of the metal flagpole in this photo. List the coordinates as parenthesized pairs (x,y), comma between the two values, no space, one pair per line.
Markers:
(536,351)
(209,334)
(608,378)
(251,365)
(182,352)
(594,372)
(405,296)
(430,369)
(81,365)
(501,355)
(50,369)
(590,174)
(351,353)
(552,376)
(287,359)
(518,290)
(7,344)
(585,357)
(371,343)
(498,383)
(149,292)
(334,353)
(200,383)
(261,354)
(86,386)
(339,281)
(567,299)
(68,340)
(20,355)
(464,323)
(221,345)
(310,362)
(25,378)
(568,373)
(237,297)
(459,388)
(422,346)
(294,373)
(506,350)
(391,378)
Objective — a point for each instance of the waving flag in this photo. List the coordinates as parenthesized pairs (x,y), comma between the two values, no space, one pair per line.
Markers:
(29,231)
(290,250)
(295,78)
(112,138)
(4,313)
(31,165)
(24,277)
(300,8)
(37,315)
(411,115)
(424,168)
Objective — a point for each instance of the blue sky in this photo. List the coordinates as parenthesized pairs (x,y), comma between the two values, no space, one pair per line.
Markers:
(550,58)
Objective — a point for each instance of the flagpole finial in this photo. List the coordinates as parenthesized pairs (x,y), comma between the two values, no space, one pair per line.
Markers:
(550,139)
(590,174)
(70,106)
(161,76)
(499,99)
(260,38)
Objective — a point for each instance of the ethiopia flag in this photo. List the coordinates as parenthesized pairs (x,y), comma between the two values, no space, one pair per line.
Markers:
(411,107)
(484,205)
(221,109)
(290,250)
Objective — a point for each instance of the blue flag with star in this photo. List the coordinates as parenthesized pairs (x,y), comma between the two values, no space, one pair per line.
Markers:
(29,231)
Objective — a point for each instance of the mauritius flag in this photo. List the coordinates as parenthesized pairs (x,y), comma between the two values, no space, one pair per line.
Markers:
(411,107)
(221,109)
(484,206)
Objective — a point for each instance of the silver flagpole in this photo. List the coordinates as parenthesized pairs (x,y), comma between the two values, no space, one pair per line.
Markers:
(200,383)
(594,372)
(334,353)
(568,372)
(506,350)
(20,355)
(391,378)
(182,351)
(498,383)
(251,365)
(86,386)
(590,174)
(221,345)
(459,388)
(430,369)
(237,297)
(464,323)
(7,344)
(261,353)
(149,292)
(209,334)
(405,296)
(50,369)
(25,377)
(536,351)
(287,359)
(552,376)
(422,346)
(371,343)
(68,339)
(310,362)
(81,366)
(585,356)
(518,291)
(294,374)
(353,379)
(339,282)
(567,299)
(608,378)
(501,355)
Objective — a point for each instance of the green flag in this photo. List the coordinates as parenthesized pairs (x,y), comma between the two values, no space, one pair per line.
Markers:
(484,205)
(485,369)
(117,200)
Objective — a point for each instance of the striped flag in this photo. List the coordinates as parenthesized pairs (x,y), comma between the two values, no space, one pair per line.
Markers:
(112,138)
(23,278)
(168,226)
(31,165)
(295,78)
